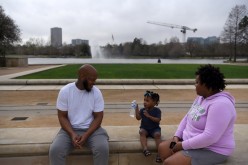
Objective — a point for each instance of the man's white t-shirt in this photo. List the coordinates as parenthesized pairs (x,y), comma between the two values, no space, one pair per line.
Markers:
(80,104)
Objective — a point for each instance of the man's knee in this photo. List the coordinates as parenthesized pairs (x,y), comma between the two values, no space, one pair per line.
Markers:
(53,150)
(101,153)
(102,147)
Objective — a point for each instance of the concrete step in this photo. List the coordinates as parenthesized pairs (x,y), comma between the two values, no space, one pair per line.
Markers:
(31,146)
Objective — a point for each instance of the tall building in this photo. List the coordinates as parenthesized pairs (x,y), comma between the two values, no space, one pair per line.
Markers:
(56,37)
(75,42)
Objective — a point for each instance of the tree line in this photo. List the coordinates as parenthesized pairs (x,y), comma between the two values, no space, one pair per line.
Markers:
(233,45)
(138,48)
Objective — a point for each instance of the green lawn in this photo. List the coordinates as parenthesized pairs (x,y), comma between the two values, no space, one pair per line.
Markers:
(138,71)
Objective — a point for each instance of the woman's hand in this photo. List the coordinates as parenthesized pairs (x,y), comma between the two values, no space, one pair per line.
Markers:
(178,147)
(175,139)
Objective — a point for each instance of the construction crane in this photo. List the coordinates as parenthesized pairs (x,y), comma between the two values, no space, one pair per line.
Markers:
(183,28)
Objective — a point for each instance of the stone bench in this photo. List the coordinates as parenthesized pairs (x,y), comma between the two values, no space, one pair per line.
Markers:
(31,146)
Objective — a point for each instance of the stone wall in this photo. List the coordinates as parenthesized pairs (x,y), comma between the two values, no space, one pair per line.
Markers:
(16,61)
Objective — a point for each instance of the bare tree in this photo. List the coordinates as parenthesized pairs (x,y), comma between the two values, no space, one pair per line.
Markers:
(232,33)
(9,34)
(190,47)
(174,40)
(243,26)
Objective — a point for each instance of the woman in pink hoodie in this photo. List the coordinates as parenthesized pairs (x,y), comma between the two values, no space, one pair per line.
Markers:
(205,135)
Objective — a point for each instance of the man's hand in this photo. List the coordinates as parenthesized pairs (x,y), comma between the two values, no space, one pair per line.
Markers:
(75,141)
(82,141)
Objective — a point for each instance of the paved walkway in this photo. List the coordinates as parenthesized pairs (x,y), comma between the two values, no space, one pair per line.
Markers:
(17,98)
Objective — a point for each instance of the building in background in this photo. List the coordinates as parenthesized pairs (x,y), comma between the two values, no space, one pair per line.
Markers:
(212,40)
(204,42)
(196,40)
(56,37)
(75,42)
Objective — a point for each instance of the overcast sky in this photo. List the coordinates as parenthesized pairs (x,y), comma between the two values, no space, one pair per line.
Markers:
(98,20)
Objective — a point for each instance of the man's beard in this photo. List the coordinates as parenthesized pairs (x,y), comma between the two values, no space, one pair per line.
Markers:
(86,85)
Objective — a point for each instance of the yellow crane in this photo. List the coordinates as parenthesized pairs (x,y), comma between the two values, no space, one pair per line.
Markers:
(183,28)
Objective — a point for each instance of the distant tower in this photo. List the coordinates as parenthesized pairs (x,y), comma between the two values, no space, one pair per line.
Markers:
(56,37)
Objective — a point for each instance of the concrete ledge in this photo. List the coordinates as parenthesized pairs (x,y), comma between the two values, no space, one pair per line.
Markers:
(14,61)
(31,146)
(112,81)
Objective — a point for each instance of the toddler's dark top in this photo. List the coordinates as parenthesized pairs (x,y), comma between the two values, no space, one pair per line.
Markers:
(147,123)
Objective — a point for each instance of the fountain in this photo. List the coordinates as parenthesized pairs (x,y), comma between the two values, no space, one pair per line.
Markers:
(96,51)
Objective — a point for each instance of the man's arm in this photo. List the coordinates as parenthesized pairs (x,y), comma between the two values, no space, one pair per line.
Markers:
(96,123)
(66,125)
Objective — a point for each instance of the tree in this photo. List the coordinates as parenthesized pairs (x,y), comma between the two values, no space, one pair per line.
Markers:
(175,48)
(82,50)
(243,26)
(191,47)
(137,46)
(232,34)
(9,34)
(174,40)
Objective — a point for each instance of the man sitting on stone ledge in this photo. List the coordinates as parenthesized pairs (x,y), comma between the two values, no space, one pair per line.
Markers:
(80,112)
